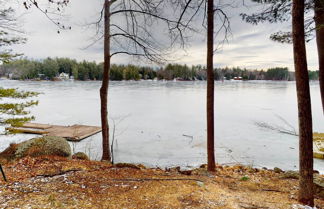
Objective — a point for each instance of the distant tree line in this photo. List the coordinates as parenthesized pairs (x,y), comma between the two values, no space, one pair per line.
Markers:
(25,69)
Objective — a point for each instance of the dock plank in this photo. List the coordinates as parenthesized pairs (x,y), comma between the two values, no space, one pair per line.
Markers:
(36,125)
(26,130)
(71,133)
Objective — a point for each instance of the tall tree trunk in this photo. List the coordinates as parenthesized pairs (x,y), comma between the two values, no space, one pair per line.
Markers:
(210,87)
(319,24)
(306,186)
(105,83)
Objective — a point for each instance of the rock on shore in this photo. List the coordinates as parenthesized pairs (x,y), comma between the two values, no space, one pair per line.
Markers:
(46,145)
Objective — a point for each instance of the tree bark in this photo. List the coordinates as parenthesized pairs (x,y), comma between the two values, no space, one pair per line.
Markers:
(210,87)
(306,186)
(319,24)
(105,84)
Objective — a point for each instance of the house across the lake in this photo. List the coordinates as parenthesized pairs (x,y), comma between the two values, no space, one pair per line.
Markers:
(64,76)
(237,78)
(41,76)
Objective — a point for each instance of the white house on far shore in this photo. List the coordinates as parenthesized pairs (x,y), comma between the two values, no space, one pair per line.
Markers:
(64,76)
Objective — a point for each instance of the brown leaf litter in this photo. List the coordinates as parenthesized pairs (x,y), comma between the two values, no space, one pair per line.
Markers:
(56,182)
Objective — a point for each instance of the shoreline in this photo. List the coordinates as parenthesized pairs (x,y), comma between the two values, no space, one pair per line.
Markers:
(50,181)
(156,80)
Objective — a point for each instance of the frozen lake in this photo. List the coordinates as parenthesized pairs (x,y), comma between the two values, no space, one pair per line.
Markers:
(164,123)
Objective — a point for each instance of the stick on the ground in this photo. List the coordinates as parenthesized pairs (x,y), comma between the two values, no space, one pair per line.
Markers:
(271,190)
(3,174)
(160,179)
(59,173)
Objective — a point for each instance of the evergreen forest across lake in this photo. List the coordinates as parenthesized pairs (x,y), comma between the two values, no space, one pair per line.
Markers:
(51,68)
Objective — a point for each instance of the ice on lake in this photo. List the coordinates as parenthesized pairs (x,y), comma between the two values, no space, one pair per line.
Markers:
(161,123)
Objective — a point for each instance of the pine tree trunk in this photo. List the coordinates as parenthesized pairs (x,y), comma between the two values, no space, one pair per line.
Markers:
(306,186)
(210,87)
(105,83)
(319,24)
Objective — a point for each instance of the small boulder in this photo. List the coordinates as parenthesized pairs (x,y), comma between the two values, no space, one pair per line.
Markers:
(203,166)
(46,145)
(186,172)
(174,169)
(319,186)
(277,170)
(252,170)
(141,166)
(126,165)
(290,175)
(80,156)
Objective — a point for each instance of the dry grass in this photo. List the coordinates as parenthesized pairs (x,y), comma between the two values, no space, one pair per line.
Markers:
(54,182)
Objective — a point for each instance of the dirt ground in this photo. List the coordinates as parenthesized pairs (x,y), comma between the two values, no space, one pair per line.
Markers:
(54,182)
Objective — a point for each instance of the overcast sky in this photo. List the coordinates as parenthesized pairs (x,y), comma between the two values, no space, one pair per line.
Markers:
(249,46)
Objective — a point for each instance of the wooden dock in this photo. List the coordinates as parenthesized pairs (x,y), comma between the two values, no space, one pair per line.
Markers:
(318,145)
(72,133)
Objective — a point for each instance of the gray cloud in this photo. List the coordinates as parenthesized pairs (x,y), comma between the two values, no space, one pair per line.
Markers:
(249,46)
(249,36)
(244,57)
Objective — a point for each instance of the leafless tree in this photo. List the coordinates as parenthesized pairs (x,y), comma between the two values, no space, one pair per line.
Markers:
(116,121)
(210,87)
(133,36)
(53,10)
(210,11)
(128,25)
(135,31)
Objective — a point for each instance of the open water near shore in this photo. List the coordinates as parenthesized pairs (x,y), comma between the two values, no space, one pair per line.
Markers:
(163,124)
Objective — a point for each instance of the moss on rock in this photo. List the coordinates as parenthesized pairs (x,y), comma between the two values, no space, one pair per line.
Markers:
(290,175)
(319,186)
(46,145)
(80,156)
(8,154)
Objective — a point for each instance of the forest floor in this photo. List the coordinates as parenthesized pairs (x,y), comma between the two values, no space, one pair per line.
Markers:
(54,182)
